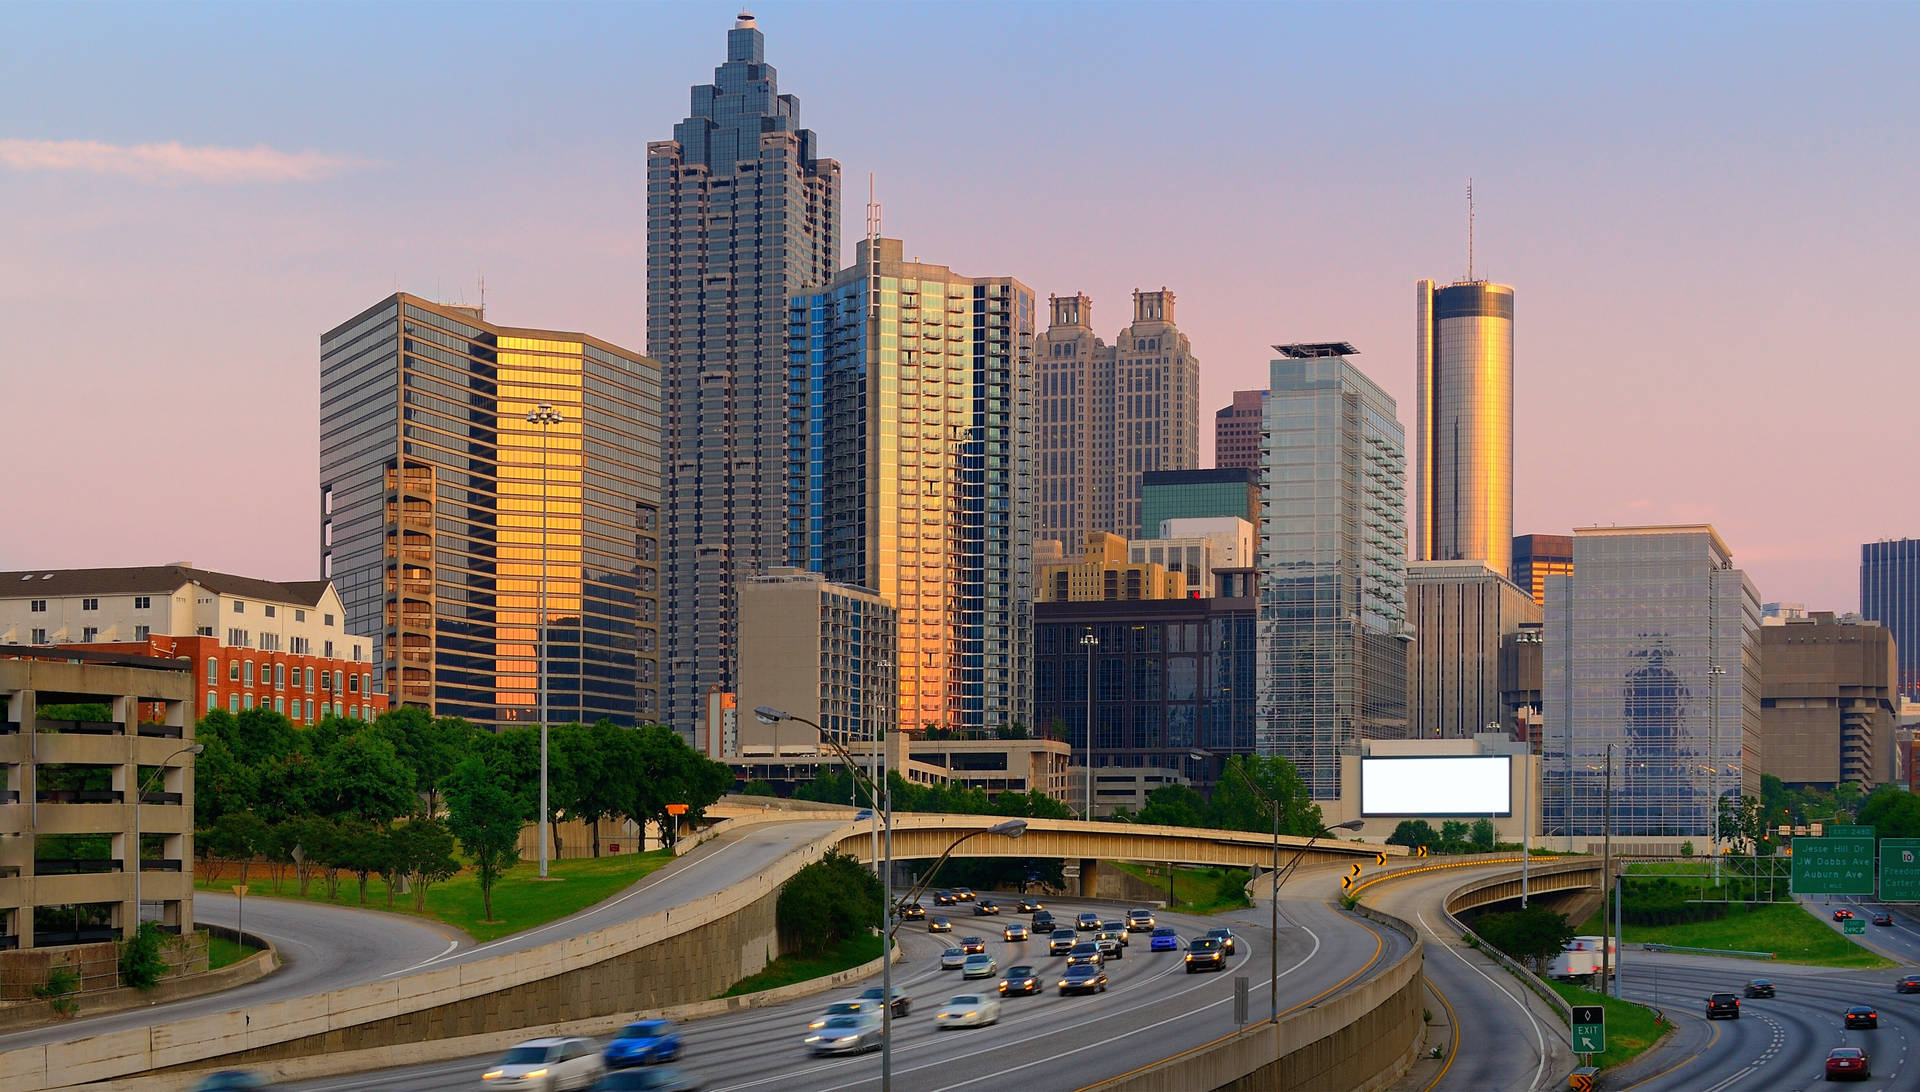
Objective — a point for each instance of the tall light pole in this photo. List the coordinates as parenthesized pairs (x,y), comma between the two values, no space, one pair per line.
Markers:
(140,790)
(1714,672)
(1526,798)
(1089,642)
(545,416)
(877,766)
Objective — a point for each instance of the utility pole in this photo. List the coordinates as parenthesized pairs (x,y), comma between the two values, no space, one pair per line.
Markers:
(1606,881)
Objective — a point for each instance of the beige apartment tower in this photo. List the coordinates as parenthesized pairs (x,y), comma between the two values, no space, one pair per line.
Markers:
(1110,413)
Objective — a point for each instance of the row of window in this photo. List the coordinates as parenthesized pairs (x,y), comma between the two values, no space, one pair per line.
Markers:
(300,710)
(89,634)
(241,671)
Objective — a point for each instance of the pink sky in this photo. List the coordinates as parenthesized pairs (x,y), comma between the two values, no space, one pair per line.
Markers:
(1706,213)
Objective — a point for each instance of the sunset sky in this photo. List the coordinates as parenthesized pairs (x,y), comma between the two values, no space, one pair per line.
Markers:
(1707,212)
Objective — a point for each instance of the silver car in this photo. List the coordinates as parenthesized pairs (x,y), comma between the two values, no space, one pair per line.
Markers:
(953,957)
(850,1034)
(979,965)
(559,1062)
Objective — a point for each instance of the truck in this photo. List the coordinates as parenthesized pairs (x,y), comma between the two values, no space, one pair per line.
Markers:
(1581,958)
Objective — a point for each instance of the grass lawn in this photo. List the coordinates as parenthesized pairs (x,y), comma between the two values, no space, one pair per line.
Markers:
(1631,1028)
(1783,928)
(1195,890)
(787,970)
(521,900)
(222,952)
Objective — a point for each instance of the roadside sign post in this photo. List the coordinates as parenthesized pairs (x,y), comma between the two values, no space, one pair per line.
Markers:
(1900,870)
(1833,866)
(240,926)
(1589,1029)
(1853,927)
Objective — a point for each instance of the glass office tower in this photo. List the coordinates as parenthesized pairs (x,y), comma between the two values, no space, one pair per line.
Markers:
(1890,595)
(433,492)
(1463,464)
(741,214)
(911,435)
(1652,645)
(1333,547)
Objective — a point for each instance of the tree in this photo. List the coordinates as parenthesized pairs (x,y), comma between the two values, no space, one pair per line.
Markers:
(830,900)
(362,777)
(428,746)
(756,787)
(1173,806)
(1482,835)
(1453,836)
(239,836)
(1414,833)
(1235,806)
(141,963)
(487,820)
(1531,935)
(424,850)
(221,782)
(612,754)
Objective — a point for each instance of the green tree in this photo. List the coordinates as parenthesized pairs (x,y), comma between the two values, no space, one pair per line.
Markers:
(221,782)
(1893,812)
(428,746)
(1414,833)
(1530,935)
(362,777)
(487,820)
(240,837)
(612,754)
(1174,806)
(1235,806)
(424,849)
(756,787)
(1032,804)
(1453,836)
(1482,836)
(142,963)
(830,900)
(829,786)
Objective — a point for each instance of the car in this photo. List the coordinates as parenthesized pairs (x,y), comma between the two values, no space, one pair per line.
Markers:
(1843,915)
(1848,1062)
(1759,987)
(985,907)
(643,1042)
(939,925)
(967,1010)
(1883,919)
(863,815)
(973,945)
(1908,984)
(1206,954)
(851,1034)
(1861,1016)
(1016,931)
(944,898)
(231,1080)
(1062,941)
(857,1007)
(1021,979)
(1163,939)
(913,911)
(560,1062)
(1084,978)
(902,1004)
(952,958)
(980,965)
(657,1079)
(1115,925)
(1723,1006)
(1225,937)
(1031,906)
(1087,923)
(1086,951)
(964,894)
(1110,943)
(1139,921)
(1043,922)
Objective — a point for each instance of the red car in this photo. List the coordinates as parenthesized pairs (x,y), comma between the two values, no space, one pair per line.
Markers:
(1843,915)
(1847,1062)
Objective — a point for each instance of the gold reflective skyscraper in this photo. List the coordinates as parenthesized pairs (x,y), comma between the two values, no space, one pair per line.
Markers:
(1463,453)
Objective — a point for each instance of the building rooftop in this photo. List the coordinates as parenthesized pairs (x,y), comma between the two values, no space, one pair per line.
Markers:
(1314,350)
(163,579)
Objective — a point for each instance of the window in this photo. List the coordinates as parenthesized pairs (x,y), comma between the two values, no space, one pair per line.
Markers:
(326,683)
(366,682)
(326,708)
(203,631)
(279,676)
(247,676)
(213,671)
(38,606)
(142,602)
(238,638)
(233,703)
(247,702)
(328,654)
(328,619)
(299,615)
(269,609)
(239,606)
(233,670)
(309,710)
(336,682)
(39,636)
(300,646)
(89,604)
(213,701)
(89,633)
(141,633)
(353,684)
(280,706)
(309,678)
(356,652)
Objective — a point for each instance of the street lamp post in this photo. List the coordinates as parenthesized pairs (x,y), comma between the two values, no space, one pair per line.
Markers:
(140,791)
(1526,801)
(1713,744)
(545,416)
(1089,642)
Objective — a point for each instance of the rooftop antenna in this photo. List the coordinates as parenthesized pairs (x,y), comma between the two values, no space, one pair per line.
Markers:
(1469,229)
(483,293)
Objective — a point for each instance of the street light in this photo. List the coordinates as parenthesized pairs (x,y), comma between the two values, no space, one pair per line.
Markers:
(1273,945)
(1714,672)
(1526,802)
(545,416)
(1089,642)
(141,791)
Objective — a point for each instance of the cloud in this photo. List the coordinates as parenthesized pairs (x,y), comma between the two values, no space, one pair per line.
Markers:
(171,161)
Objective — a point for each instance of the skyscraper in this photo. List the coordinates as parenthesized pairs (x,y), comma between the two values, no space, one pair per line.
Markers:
(1333,547)
(1890,595)
(1463,463)
(741,214)
(1536,557)
(1460,612)
(911,429)
(438,501)
(1236,430)
(1652,645)
(1110,413)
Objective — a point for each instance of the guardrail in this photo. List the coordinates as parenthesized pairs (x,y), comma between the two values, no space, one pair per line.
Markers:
(1707,951)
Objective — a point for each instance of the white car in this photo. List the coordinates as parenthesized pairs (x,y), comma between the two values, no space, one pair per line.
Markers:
(968,1010)
(953,957)
(547,1065)
(979,965)
(848,1034)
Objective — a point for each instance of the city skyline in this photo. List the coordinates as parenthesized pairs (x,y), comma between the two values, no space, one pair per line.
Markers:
(247,181)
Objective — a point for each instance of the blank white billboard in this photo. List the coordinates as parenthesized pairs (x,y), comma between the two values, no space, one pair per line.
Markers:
(1443,785)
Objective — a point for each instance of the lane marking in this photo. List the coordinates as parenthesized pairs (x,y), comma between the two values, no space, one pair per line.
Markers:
(1453,1047)
(1539,1038)
(1736,1078)
(451,945)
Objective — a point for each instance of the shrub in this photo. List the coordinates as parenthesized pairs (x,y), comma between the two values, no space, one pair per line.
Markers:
(141,964)
(58,990)
(833,899)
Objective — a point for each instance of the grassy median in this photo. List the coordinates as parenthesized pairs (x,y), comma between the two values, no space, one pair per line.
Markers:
(1195,890)
(1631,1028)
(521,900)
(1783,928)
(787,970)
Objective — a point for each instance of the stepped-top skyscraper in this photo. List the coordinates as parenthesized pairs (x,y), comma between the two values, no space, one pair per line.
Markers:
(1463,454)
(741,215)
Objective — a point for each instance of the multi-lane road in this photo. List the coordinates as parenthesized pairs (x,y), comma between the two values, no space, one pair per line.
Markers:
(1152,1009)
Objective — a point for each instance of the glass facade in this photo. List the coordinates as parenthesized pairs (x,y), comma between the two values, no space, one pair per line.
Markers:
(909,462)
(741,214)
(1332,592)
(1463,469)
(1890,595)
(434,491)
(1652,645)
(1536,557)
(1197,494)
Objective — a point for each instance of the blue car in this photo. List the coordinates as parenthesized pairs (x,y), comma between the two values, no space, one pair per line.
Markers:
(1163,939)
(644,1042)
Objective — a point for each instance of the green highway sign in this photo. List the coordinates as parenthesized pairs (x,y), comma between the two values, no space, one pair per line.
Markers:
(1900,870)
(1853,926)
(1849,832)
(1589,1029)
(1832,866)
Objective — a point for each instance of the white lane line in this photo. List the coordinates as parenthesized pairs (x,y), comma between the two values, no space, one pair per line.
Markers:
(451,945)
(1540,1040)
(1730,1081)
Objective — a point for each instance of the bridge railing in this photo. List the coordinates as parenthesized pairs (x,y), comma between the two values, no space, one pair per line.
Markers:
(1527,978)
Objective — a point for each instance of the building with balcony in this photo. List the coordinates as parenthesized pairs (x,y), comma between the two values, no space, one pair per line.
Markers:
(98,798)
(1196,547)
(1104,572)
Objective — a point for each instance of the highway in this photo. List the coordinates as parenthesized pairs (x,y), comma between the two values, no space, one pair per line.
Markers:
(1153,1009)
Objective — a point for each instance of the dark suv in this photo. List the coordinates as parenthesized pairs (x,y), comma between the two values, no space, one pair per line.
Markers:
(1723,1006)
(1759,987)
(1909,984)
